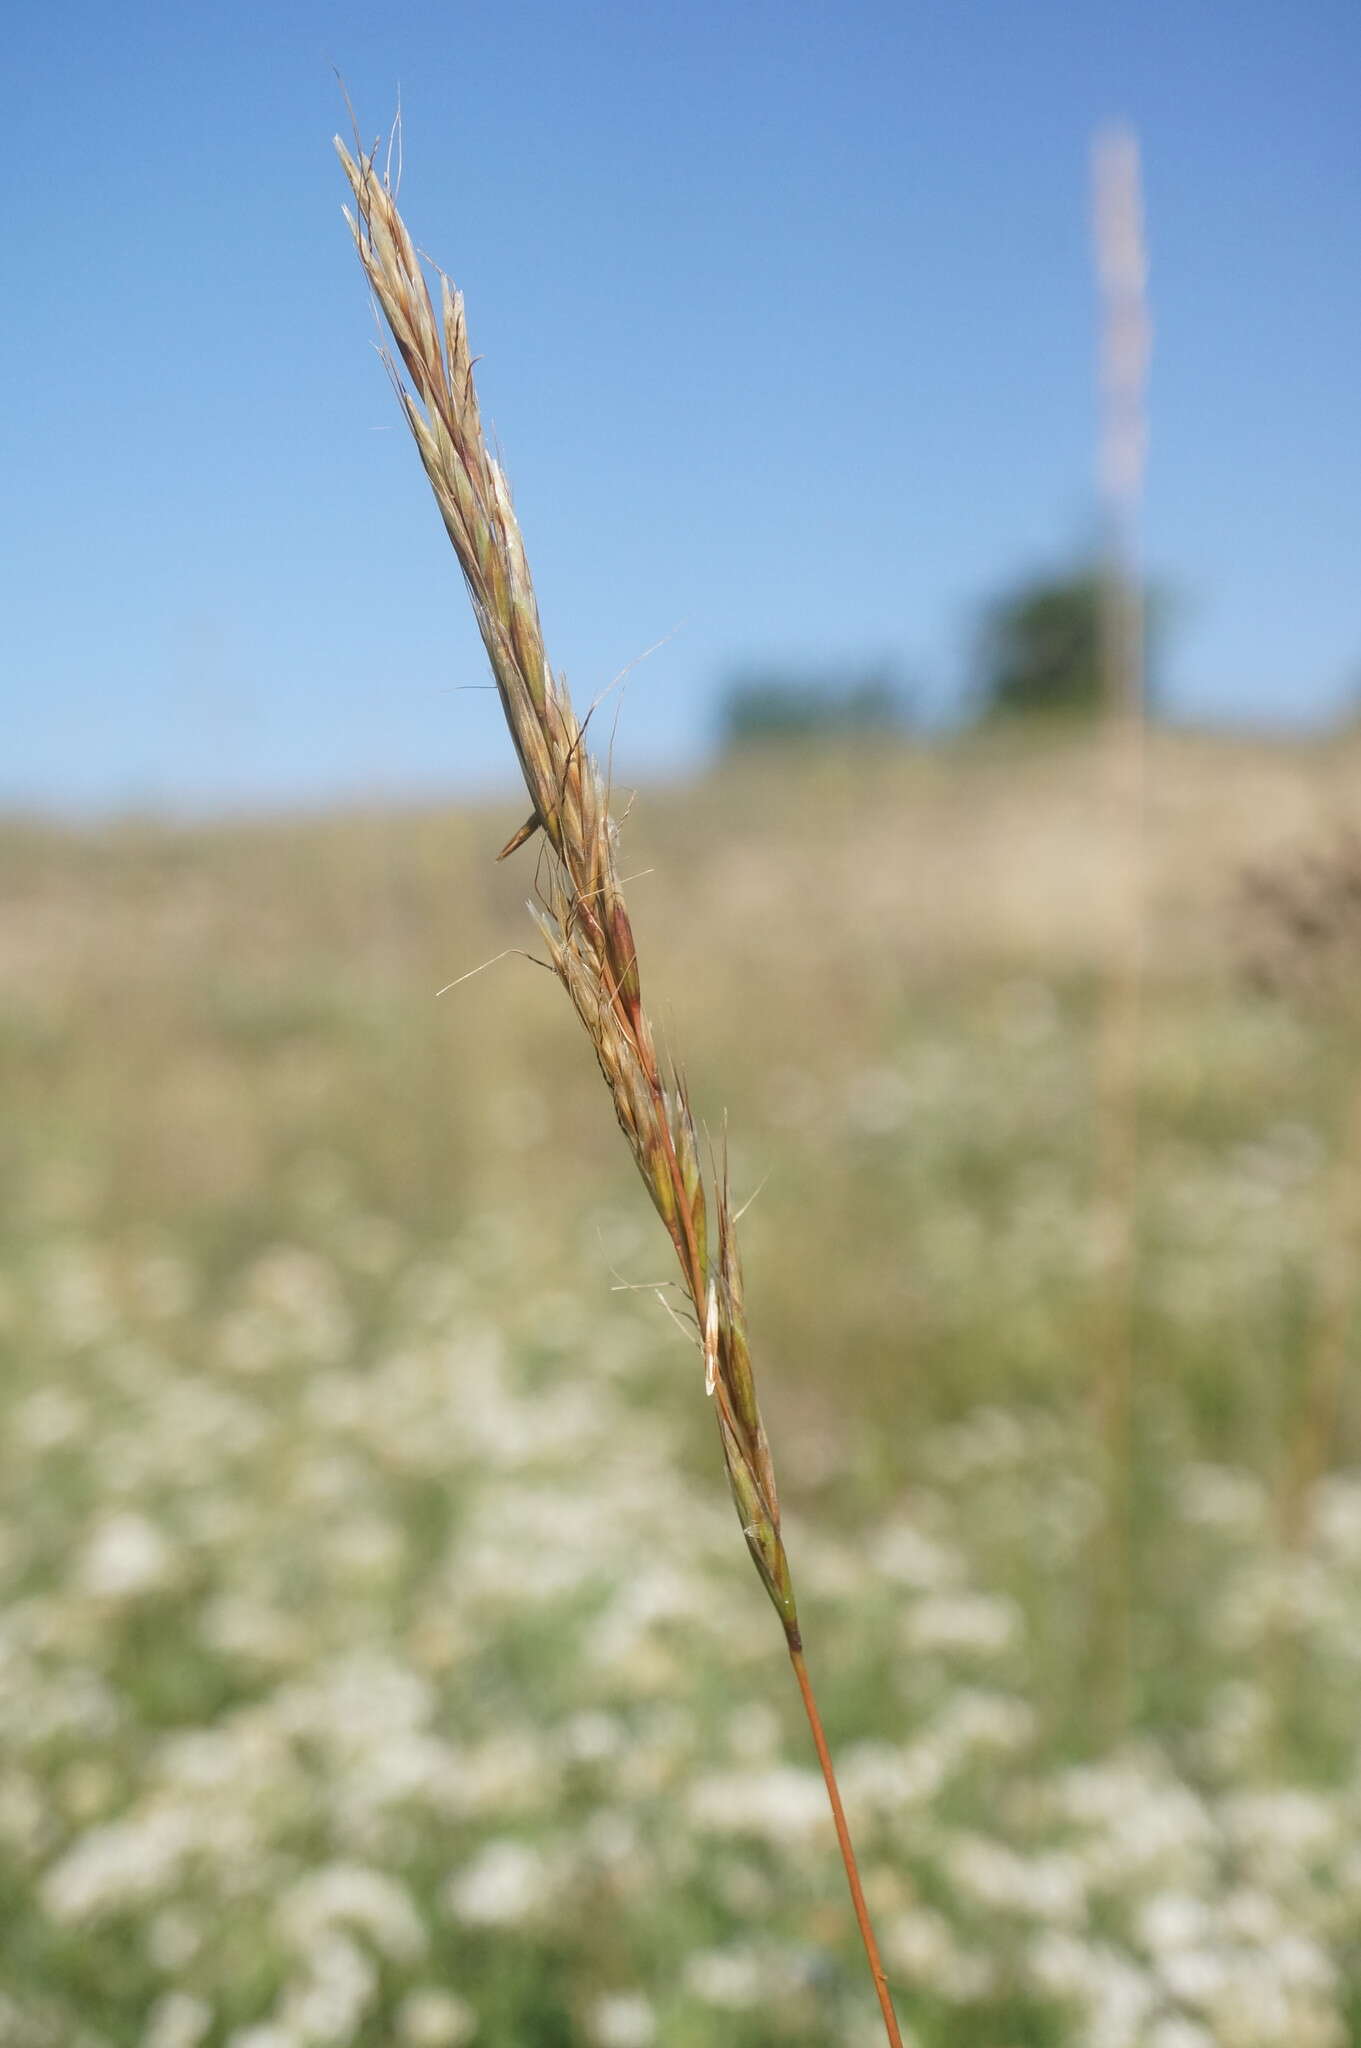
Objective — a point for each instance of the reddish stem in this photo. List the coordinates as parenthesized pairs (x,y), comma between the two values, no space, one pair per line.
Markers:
(843,1836)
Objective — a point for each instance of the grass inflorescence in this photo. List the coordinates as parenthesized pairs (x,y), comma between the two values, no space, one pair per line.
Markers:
(580,909)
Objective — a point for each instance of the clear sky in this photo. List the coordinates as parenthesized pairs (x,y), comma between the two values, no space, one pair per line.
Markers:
(787,324)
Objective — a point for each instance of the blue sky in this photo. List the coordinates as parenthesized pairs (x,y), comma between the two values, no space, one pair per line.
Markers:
(787,329)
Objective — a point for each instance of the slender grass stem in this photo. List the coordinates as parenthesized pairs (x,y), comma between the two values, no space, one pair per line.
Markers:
(580,906)
(1125,341)
(847,1848)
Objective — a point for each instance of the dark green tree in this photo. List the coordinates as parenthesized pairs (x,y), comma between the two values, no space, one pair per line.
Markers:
(1039,647)
(764,705)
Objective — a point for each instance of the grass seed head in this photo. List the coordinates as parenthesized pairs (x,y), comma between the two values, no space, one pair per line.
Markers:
(581,913)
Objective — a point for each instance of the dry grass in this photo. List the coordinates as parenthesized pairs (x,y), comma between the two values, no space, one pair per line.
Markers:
(248,1165)
(579,907)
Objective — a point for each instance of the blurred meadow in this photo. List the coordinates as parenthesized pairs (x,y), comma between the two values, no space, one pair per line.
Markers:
(380,1663)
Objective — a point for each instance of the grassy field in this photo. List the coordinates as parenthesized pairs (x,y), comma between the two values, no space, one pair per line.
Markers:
(380,1661)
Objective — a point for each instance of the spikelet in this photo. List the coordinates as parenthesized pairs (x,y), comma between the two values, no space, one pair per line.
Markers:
(581,913)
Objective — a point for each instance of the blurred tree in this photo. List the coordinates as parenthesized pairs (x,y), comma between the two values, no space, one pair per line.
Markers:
(759,706)
(1039,649)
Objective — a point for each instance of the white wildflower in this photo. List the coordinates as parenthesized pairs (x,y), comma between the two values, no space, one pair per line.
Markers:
(1173,1920)
(964,1624)
(920,1944)
(593,1737)
(1179,2033)
(112,1868)
(879,1101)
(731,1978)
(511,1772)
(177,2021)
(1215,1497)
(753,1731)
(430,2018)
(1117,1998)
(1250,1917)
(621,2019)
(903,1553)
(327,2006)
(1300,1963)
(127,1556)
(173,1939)
(354,1896)
(1142,1822)
(505,1883)
(49,1418)
(991,1721)
(236,1625)
(1284,1830)
(1337,1518)
(610,1838)
(1050,1888)
(878,1778)
(1198,1976)
(302,1293)
(1062,1963)
(782,1804)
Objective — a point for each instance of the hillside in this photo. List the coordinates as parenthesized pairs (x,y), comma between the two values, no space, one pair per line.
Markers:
(378,1650)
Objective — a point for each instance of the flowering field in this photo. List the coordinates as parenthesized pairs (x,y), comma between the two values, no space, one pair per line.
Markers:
(380,1661)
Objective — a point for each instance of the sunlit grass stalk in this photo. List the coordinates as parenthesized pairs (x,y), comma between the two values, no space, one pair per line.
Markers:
(1121,271)
(580,909)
